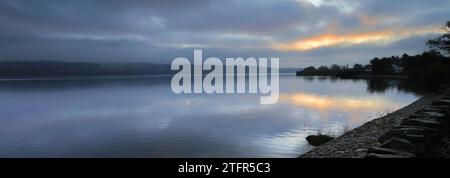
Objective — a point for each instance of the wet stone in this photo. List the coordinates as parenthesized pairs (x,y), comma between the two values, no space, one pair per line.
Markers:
(431,113)
(427,115)
(381,156)
(415,130)
(419,141)
(414,138)
(445,108)
(436,108)
(399,144)
(442,102)
(361,150)
(385,137)
(426,118)
(421,122)
(377,152)
(444,112)
(410,131)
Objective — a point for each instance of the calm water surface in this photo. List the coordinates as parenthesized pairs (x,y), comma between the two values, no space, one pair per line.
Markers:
(141,117)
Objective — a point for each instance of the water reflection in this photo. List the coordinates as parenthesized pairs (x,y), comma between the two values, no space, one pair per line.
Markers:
(353,108)
(141,117)
(324,103)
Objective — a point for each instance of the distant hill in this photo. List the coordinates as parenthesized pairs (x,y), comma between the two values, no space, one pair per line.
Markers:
(289,70)
(65,68)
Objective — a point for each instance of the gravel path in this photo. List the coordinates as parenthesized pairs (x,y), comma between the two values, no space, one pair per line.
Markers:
(355,143)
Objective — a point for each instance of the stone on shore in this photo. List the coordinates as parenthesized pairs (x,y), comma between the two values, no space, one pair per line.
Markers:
(423,113)
(415,130)
(317,140)
(377,152)
(412,131)
(423,122)
(442,102)
(399,144)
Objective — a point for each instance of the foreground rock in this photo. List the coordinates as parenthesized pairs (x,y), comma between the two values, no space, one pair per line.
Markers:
(409,132)
(317,140)
(418,134)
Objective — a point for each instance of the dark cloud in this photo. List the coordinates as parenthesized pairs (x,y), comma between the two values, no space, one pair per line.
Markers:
(159,30)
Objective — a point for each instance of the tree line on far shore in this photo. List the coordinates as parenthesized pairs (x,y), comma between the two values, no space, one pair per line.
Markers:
(431,65)
(66,68)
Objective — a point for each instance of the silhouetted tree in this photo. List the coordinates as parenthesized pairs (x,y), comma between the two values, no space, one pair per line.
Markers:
(335,67)
(368,67)
(311,70)
(429,67)
(443,42)
(381,66)
(358,67)
(323,69)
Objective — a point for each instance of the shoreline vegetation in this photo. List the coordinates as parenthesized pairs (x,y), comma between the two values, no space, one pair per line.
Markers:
(430,66)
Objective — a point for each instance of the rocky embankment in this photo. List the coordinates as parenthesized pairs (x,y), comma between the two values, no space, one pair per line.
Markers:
(417,130)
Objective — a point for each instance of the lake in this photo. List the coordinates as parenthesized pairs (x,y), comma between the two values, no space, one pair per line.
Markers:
(142,117)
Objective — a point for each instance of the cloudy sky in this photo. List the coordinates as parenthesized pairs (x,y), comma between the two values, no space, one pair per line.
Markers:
(299,32)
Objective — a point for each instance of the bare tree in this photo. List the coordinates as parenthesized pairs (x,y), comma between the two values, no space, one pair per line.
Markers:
(441,43)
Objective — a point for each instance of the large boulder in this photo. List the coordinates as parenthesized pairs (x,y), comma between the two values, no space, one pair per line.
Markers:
(317,140)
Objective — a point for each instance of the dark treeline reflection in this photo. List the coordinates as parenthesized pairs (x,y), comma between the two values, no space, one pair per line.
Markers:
(409,86)
(376,85)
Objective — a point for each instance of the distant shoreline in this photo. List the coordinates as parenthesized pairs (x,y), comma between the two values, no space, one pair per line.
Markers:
(79,77)
(93,77)
(365,76)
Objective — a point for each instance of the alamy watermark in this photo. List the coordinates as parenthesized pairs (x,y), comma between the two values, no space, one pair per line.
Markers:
(258,75)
